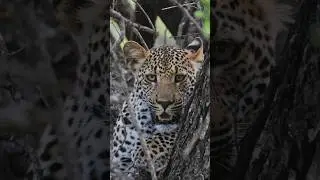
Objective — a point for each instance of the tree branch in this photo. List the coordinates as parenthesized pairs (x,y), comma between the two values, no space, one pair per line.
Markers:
(118,16)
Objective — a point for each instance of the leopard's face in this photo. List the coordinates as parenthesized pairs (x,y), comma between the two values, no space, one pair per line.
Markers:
(244,34)
(243,38)
(165,77)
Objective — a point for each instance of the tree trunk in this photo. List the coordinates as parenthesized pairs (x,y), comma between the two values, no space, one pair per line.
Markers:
(283,143)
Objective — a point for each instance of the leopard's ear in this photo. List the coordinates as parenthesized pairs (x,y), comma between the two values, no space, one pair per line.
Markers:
(195,53)
(195,50)
(135,55)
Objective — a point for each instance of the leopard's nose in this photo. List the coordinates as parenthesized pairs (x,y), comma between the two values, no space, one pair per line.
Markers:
(164,104)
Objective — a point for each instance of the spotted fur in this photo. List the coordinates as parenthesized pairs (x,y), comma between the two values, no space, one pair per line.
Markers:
(76,147)
(244,34)
(164,79)
(24,106)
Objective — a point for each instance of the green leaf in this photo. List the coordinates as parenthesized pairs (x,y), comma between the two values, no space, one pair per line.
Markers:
(198,14)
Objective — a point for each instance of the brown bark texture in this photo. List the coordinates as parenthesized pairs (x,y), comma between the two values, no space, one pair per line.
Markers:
(284,141)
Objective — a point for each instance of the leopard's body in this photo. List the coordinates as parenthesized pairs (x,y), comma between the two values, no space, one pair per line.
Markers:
(164,79)
(75,146)
(24,106)
(244,35)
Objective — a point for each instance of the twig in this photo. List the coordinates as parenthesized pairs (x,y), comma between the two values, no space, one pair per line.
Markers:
(118,16)
(115,47)
(181,27)
(144,146)
(171,7)
(16,51)
(121,35)
(186,35)
(147,16)
(140,37)
(187,14)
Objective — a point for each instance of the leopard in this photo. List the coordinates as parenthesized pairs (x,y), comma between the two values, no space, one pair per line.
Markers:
(33,94)
(32,106)
(147,126)
(75,145)
(28,102)
(243,55)
(24,112)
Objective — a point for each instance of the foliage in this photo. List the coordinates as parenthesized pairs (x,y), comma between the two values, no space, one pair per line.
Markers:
(204,15)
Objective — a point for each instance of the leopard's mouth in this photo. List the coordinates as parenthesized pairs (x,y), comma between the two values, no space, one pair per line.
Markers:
(165,118)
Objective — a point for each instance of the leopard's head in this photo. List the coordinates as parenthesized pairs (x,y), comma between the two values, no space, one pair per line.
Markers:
(164,76)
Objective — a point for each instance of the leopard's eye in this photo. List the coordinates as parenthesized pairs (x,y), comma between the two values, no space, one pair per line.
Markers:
(179,78)
(151,77)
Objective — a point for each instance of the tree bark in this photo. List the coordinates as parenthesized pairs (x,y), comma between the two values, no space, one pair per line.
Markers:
(283,142)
